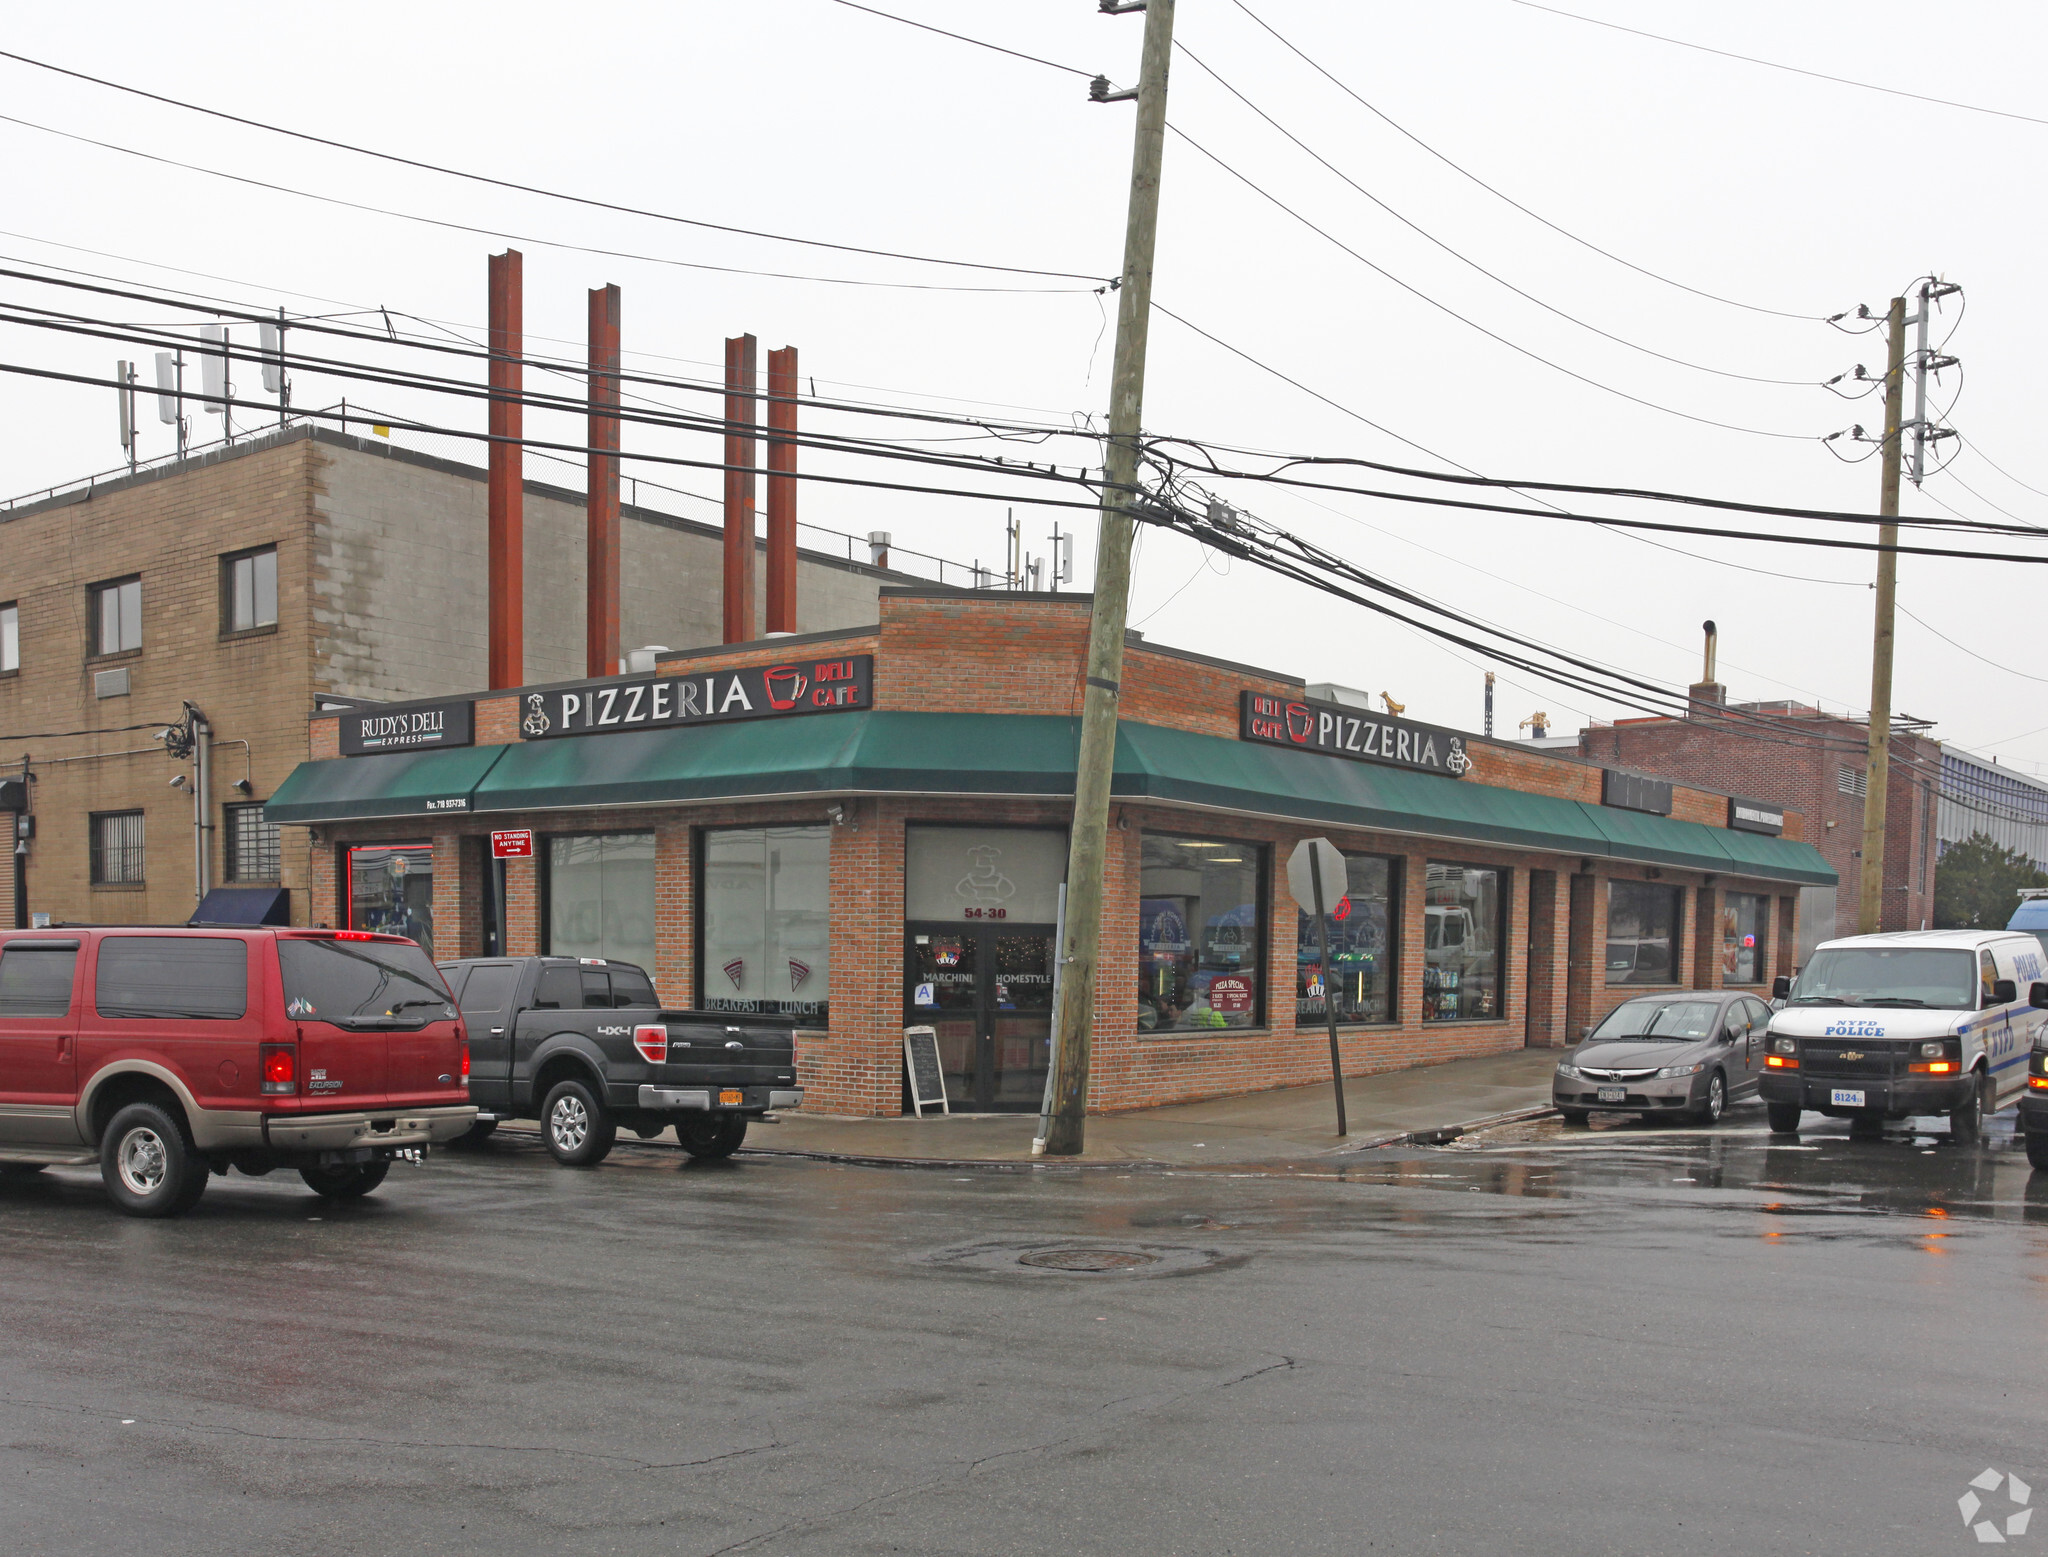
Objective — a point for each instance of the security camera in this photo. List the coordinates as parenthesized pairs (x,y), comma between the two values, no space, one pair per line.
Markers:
(177,781)
(836,813)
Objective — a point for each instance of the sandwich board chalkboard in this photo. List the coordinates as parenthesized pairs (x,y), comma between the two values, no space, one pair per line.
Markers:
(921,1065)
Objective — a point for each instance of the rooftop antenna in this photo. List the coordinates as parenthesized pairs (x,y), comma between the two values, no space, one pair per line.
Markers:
(274,380)
(1062,555)
(124,373)
(170,392)
(1013,550)
(213,376)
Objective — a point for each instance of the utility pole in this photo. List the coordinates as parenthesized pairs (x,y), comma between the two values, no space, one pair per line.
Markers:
(1088,846)
(1870,909)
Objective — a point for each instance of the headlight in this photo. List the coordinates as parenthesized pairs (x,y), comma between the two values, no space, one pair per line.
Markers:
(1680,1070)
(1569,1072)
(1784,1046)
(1931,1050)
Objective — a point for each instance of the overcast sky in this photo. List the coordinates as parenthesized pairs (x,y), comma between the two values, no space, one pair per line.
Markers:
(810,118)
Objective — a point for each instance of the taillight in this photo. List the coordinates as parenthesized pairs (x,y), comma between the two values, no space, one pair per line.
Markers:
(465,1062)
(280,1068)
(652,1042)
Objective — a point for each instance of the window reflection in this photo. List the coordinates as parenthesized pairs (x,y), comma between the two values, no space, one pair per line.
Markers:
(1201,934)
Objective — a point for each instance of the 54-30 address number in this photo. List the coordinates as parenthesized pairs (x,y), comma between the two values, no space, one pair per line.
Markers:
(986,913)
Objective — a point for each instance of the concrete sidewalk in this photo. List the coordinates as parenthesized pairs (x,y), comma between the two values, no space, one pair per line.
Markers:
(1287,1125)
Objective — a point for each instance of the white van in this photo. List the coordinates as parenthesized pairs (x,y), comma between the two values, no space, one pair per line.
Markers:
(1883,1027)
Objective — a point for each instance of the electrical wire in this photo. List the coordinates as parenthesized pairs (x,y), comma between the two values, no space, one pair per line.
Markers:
(1418,293)
(1751,59)
(1466,259)
(546,243)
(1985,659)
(535,189)
(233,403)
(961,37)
(1535,216)
(112,729)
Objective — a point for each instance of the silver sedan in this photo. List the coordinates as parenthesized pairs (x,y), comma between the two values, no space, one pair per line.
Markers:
(1688,1053)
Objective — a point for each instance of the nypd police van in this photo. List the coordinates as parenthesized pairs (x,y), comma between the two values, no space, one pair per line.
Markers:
(1918,1022)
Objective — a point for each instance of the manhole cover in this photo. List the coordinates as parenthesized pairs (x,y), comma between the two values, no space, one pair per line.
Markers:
(1088,1259)
(1041,1259)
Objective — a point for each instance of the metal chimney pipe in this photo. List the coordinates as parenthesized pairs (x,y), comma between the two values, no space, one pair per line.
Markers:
(740,390)
(601,603)
(782,381)
(1713,640)
(507,486)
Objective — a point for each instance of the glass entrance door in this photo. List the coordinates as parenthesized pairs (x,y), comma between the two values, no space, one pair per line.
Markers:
(988,994)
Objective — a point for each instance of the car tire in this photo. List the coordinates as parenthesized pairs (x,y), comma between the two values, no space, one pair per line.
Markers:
(1715,1104)
(1574,1116)
(1967,1122)
(578,1128)
(148,1164)
(344,1180)
(477,1133)
(708,1138)
(2037,1149)
(1784,1117)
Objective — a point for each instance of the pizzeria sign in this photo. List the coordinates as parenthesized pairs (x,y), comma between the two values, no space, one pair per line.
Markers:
(1363,736)
(704,697)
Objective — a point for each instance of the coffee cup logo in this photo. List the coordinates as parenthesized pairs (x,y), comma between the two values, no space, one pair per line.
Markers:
(1300,720)
(785,685)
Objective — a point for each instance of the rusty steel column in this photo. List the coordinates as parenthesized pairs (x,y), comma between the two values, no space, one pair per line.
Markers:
(740,386)
(601,608)
(507,488)
(782,490)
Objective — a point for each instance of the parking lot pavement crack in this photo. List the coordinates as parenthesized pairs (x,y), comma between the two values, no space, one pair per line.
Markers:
(397,1443)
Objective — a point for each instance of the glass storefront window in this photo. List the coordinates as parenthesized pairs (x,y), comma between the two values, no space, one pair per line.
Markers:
(1463,927)
(1201,934)
(765,901)
(1742,937)
(391,890)
(1362,949)
(601,897)
(955,875)
(1642,933)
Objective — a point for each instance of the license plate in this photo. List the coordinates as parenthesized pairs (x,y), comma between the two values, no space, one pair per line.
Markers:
(1847,1097)
(1614,1094)
(732,1098)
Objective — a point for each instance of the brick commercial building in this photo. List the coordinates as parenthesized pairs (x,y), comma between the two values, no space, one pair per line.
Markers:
(1795,756)
(254,583)
(866,828)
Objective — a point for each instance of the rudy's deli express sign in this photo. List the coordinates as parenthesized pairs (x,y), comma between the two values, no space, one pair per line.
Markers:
(364,731)
(806,686)
(1337,731)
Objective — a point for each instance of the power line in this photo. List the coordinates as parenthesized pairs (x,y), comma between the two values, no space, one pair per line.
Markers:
(1535,216)
(534,189)
(961,37)
(1771,64)
(1417,292)
(1466,259)
(511,237)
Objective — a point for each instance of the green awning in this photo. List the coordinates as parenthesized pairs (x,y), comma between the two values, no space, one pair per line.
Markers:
(397,783)
(881,752)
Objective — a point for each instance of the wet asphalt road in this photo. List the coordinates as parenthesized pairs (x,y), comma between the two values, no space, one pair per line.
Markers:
(1617,1340)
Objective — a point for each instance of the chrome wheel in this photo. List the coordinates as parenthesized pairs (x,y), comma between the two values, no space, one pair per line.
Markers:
(142,1160)
(569,1122)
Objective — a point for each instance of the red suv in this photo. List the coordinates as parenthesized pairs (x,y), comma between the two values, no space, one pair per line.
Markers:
(169,1054)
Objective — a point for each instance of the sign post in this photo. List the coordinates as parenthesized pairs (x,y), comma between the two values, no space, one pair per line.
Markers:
(1314,861)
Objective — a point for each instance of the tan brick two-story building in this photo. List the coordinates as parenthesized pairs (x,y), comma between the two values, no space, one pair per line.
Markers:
(866,829)
(252,584)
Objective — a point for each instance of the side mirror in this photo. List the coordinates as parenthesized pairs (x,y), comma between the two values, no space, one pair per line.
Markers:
(2004,992)
(1585,1033)
(2037,997)
(1781,987)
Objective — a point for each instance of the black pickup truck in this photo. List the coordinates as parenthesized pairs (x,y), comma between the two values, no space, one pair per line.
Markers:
(584,1046)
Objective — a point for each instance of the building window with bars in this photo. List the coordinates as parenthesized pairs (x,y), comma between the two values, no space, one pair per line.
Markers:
(117,848)
(248,591)
(116,616)
(253,844)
